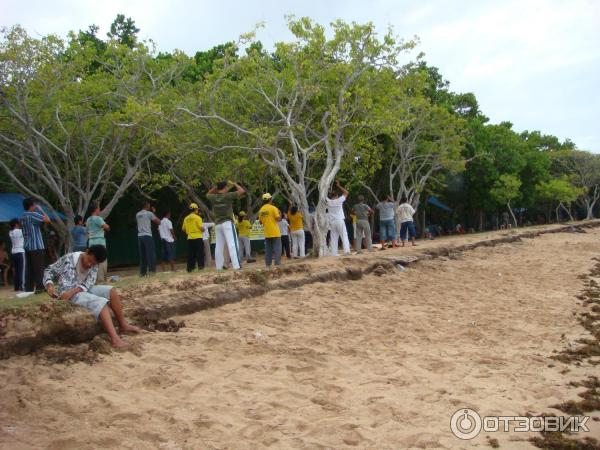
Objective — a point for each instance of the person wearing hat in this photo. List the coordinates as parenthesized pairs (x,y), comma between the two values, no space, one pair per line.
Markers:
(222,202)
(244,227)
(193,228)
(270,216)
(167,239)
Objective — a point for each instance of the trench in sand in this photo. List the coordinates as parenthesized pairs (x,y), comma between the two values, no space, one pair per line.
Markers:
(58,324)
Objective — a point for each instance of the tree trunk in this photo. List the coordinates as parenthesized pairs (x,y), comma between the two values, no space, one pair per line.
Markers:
(513,215)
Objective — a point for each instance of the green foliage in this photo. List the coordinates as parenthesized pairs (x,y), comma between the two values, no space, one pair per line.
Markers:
(506,189)
(559,190)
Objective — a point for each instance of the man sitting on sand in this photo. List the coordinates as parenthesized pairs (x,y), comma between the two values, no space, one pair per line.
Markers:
(75,276)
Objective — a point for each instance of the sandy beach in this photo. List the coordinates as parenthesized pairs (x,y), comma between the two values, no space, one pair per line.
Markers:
(382,362)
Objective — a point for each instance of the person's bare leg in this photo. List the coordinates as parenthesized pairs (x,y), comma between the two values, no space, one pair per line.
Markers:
(414,242)
(173,265)
(382,245)
(107,323)
(394,243)
(117,307)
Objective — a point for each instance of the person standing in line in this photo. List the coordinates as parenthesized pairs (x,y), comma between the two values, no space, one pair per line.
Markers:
(79,235)
(363,227)
(167,239)
(387,226)
(145,217)
(193,228)
(405,213)
(17,252)
(296,232)
(335,211)
(35,252)
(269,216)
(96,229)
(244,227)
(206,240)
(284,229)
(222,203)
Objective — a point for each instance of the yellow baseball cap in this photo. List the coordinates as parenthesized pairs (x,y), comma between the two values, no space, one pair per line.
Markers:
(242,213)
(193,206)
(267,196)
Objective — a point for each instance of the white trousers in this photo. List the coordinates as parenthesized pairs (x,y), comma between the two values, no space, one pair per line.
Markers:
(245,248)
(298,244)
(338,230)
(226,236)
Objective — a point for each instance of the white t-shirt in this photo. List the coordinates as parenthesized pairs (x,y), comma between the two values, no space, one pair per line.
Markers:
(405,213)
(207,226)
(335,209)
(16,238)
(283,227)
(164,229)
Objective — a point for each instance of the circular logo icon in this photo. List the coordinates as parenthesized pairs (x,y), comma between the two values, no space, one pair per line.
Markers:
(465,424)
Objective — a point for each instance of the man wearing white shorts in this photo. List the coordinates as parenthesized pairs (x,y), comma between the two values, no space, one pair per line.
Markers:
(336,220)
(226,235)
(72,278)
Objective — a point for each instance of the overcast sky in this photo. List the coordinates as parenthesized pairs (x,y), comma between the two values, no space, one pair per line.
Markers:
(533,63)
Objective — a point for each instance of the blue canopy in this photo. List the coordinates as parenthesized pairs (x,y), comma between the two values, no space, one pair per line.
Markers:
(435,202)
(11,207)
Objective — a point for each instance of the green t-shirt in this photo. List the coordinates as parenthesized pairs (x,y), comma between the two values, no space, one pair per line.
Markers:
(223,206)
(95,231)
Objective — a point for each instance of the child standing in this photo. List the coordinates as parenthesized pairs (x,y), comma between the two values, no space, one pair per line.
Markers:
(284,228)
(79,235)
(18,254)
(244,227)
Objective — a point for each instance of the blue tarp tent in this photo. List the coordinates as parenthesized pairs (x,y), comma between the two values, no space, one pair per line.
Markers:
(435,202)
(11,207)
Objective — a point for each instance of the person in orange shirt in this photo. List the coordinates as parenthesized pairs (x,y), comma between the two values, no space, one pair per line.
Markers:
(270,216)
(296,232)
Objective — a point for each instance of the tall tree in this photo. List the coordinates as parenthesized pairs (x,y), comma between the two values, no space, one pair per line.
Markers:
(124,31)
(301,108)
(70,136)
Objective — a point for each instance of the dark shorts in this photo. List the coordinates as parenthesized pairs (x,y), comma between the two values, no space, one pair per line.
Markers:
(168,250)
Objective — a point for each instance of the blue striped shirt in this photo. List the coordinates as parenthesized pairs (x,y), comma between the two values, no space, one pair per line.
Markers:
(32,234)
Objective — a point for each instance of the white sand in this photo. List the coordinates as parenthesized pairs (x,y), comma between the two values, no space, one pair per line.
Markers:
(378,363)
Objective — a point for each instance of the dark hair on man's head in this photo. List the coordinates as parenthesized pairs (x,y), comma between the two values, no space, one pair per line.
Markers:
(403,199)
(145,204)
(221,185)
(98,252)
(28,202)
(78,219)
(93,207)
(294,209)
(13,223)
(166,213)
(361,198)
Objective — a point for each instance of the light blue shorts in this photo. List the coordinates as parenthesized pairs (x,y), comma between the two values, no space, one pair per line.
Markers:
(94,300)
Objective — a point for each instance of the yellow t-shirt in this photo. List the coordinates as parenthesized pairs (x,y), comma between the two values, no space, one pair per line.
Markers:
(269,217)
(244,228)
(192,226)
(295,221)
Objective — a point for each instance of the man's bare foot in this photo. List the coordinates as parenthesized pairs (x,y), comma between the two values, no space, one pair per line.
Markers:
(119,343)
(128,328)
